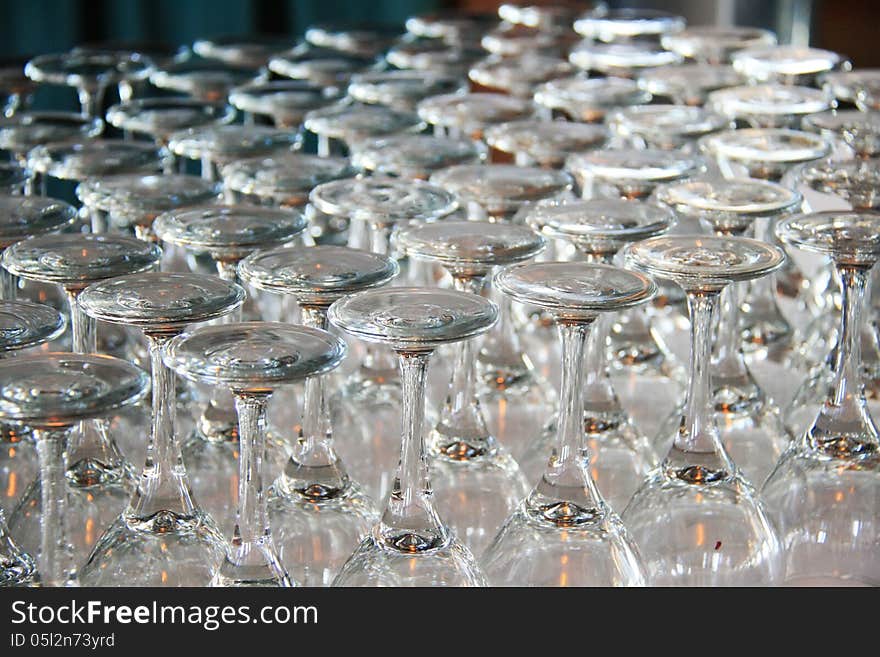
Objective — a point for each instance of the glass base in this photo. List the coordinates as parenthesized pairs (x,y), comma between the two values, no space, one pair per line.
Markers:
(375,564)
(314,539)
(825,510)
(163,550)
(703,531)
(529,551)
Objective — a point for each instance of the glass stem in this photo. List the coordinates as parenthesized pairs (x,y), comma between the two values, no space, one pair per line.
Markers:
(54,559)
(314,469)
(843,426)
(410,522)
(82,326)
(91,101)
(566,493)
(378,362)
(163,487)
(729,363)
(599,394)
(92,454)
(697,455)
(251,534)
(461,432)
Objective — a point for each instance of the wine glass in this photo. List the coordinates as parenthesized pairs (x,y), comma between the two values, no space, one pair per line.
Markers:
(564,533)
(623,24)
(769,105)
(216,145)
(162,537)
(203,79)
(688,84)
(23,325)
(510,40)
(326,67)
(26,130)
(766,154)
(286,102)
(356,38)
(630,173)
(748,418)
(89,72)
(513,394)
(849,184)
(860,87)
(414,156)
(621,454)
(858,130)
(478,481)
(52,393)
(367,405)
(711,44)
(787,64)
(345,124)
(435,55)
(665,127)
(134,200)
(411,545)
(621,59)
(401,89)
(81,159)
(468,115)
(534,142)
(696,519)
(315,496)
(21,218)
(822,494)
(227,233)
(587,99)
(633,174)
(518,75)
(159,118)
(252,359)
(249,52)
(98,476)
(283,179)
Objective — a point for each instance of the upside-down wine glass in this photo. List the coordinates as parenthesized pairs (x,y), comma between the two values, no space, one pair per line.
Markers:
(52,393)
(478,480)
(23,325)
(411,545)
(227,233)
(823,493)
(315,496)
(564,533)
(696,519)
(162,537)
(748,418)
(620,452)
(252,359)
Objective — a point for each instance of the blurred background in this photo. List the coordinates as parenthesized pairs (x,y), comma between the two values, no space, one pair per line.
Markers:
(41,26)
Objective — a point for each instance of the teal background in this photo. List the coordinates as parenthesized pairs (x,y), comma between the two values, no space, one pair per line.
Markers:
(31,27)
